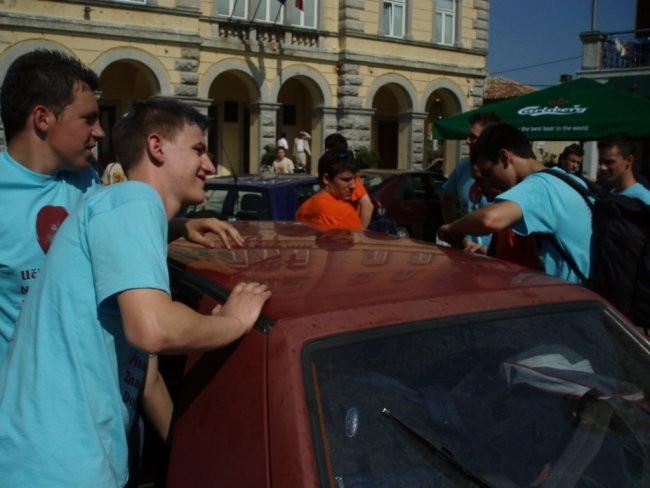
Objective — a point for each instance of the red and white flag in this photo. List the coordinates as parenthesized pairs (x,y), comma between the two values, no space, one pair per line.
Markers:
(299,5)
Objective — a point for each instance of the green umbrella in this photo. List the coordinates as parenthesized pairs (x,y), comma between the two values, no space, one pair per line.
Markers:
(577,110)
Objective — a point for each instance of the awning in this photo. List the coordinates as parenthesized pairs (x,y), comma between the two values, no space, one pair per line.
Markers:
(582,109)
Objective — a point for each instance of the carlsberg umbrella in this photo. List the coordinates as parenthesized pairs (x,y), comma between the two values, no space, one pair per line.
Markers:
(582,109)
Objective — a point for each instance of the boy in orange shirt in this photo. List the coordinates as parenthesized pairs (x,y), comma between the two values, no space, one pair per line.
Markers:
(360,198)
(331,207)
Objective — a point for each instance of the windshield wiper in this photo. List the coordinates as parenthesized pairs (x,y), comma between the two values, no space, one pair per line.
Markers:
(439,450)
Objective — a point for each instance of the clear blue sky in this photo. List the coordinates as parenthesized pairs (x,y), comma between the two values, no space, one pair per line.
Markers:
(525,33)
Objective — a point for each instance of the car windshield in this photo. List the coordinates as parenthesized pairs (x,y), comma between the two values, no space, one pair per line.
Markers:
(233,204)
(516,399)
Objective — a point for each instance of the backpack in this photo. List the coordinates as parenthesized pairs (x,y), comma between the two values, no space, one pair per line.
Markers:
(620,260)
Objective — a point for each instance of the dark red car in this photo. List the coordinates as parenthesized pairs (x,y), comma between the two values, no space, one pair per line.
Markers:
(384,362)
(411,199)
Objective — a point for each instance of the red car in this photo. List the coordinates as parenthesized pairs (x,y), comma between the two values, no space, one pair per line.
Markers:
(411,199)
(385,362)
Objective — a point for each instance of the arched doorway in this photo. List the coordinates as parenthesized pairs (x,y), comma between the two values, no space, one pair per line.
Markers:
(389,129)
(120,84)
(440,104)
(229,135)
(299,97)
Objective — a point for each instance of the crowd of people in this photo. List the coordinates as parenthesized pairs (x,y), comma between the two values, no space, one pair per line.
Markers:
(532,202)
(83,316)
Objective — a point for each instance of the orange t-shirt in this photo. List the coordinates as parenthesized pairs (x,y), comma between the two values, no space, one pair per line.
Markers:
(516,249)
(324,212)
(358,193)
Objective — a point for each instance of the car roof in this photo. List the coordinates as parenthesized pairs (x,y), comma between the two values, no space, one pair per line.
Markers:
(384,171)
(311,272)
(262,180)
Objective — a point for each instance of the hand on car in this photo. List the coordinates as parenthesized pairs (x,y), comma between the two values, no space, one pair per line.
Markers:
(195,230)
(453,239)
(244,303)
(474,247)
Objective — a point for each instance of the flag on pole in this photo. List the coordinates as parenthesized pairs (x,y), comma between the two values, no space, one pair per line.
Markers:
(299,5)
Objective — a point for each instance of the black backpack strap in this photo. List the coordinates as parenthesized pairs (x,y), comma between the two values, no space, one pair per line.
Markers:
(568,258)
(592,191)
(586,193)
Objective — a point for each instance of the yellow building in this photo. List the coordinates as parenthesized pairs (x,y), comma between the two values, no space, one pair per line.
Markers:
(380,72)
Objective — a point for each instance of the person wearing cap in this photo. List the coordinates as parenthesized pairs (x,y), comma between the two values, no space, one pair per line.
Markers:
(301,149)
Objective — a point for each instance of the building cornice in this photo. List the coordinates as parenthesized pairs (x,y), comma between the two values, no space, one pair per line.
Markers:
(93,29)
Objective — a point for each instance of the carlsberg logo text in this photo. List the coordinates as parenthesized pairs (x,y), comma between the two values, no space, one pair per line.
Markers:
(536,110)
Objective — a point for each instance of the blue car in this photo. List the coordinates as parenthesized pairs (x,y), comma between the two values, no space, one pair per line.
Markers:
(255,196)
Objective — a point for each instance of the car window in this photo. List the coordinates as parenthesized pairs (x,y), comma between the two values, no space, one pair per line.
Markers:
(436,182)
(305,192)
(420,188)
(373,180)
(507,396)
(233,204)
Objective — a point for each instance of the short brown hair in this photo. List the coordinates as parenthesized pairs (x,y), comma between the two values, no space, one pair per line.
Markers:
(164,115)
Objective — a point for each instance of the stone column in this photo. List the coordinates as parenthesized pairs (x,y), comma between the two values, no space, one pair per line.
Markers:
(417,123)
(323,124)
(355,124)
(329,121)
(350,12)
(592,49)
(188,66)
(266,114)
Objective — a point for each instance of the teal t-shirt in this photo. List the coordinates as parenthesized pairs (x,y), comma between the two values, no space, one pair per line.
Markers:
(460,185)
(637,191)
(70,381)
(32,208)
(550,206)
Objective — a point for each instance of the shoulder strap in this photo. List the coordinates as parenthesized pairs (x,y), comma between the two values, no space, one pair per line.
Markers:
(568,258)
(586,194)
(592,191)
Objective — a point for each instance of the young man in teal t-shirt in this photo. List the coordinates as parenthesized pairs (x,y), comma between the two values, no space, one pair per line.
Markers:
(79,354)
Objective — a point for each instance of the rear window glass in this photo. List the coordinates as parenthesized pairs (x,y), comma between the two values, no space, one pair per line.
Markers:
(233,204)
(506,398)
(305,192)
(374,180)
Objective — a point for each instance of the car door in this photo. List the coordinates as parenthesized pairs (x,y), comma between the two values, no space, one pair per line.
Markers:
(414,205)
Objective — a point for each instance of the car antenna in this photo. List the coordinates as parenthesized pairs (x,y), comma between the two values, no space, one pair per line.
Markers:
(232,169)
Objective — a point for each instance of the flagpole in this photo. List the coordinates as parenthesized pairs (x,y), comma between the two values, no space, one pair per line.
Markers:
(278,14)
(259,2)
(232,12)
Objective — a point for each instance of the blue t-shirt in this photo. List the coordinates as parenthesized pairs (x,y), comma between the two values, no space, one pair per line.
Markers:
(637,191)
(459,185)
(550,206)
(70,381)
(32,208)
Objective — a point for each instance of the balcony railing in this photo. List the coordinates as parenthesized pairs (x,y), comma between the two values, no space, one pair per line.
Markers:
(245,31)
(627,49)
